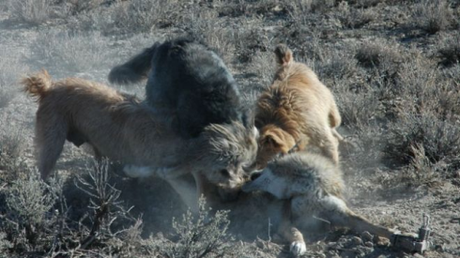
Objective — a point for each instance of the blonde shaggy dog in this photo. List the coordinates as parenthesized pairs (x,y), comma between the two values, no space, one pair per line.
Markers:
(308,185)
(123,129)
(296,111)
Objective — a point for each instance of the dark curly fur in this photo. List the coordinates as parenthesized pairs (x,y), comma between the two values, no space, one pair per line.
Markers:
(188,79)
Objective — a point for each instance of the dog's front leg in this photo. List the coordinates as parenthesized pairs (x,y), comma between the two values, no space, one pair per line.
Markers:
(186,188)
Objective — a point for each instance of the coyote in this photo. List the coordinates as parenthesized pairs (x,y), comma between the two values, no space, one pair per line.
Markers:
(295,111)
(310,185)
(121,128)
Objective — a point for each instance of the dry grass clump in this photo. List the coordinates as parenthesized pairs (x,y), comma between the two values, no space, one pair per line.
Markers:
(11,70)
(72,52)
(76,6)
(37,221)
(439,138)
(142,15)
(130,17)
(306,6)
(202,236)
(449,51)
(29,221)
(353,18)
(12,147)
(373,54)
(433,16)
(33,12)
(358,110)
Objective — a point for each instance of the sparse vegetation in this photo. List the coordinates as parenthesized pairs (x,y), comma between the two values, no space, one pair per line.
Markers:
(33,12)
(434,16)
(77,52)
(394,67)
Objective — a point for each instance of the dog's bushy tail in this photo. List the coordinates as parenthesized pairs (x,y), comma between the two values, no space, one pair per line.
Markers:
(135,70)
(283,54)
(38,84)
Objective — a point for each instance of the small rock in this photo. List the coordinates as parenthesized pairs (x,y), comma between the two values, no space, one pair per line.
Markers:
(331,254)
(356,240)
(260,244)
(366,236)
(320,255)
(369,244)
(381,241)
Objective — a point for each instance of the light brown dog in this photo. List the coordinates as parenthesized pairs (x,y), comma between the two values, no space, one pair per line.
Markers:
(123,129)
(296,111)
(308,185)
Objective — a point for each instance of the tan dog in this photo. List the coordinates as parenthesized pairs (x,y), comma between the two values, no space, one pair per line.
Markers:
(296,111)
(121,128)
(309,185)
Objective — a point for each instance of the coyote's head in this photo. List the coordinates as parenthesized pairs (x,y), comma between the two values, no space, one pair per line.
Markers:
(297,174)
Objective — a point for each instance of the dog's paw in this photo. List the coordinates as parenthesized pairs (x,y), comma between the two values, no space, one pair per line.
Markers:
(298,248)
(136,171)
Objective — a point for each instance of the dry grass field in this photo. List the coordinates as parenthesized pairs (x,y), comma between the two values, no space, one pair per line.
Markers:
(393,66)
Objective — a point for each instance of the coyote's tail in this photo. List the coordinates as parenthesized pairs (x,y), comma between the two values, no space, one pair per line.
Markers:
(38,84)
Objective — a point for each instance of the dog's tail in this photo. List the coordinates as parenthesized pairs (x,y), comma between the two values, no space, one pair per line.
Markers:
(37,85)
(283,55)
(136,69)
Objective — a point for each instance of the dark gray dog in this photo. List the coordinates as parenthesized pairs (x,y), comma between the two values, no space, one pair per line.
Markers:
(188,79)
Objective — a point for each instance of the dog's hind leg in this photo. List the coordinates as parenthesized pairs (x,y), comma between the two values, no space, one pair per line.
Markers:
(50,136)
(329,145)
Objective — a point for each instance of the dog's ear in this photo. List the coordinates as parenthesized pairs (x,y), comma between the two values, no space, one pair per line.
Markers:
(273,139)
(283,55)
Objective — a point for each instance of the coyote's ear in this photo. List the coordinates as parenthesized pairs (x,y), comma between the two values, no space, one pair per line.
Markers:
(283,55)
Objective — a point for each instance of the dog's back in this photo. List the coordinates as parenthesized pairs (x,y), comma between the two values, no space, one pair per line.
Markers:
(187,78)
(81,111)
(296,111)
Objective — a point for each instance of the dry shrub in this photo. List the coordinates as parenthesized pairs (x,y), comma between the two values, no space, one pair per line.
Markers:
(423,88)
(433,15)
(306,6)
(263,66)
(76,6)
(130,17)
(203,236)
(353,18)
(439,138)
(12,146)
(449,51)
(33,12)
(358,110)
(11,70)
(71,52)
(29,221)
(373,54)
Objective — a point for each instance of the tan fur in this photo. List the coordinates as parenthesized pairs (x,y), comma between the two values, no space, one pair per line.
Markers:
(120,127)
(310,185)
(299,107)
